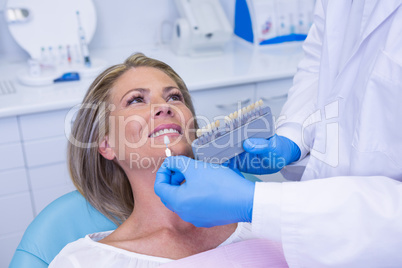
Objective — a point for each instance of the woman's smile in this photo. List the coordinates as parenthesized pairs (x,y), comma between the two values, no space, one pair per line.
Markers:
(166,129)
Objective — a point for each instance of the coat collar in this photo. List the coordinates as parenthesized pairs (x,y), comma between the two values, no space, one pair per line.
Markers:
(375,13)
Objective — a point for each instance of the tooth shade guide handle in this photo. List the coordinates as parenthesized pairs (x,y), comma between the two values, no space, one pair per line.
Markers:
(168,152)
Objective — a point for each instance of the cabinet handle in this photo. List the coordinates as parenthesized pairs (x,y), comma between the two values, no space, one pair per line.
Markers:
(284,96)
(230,106)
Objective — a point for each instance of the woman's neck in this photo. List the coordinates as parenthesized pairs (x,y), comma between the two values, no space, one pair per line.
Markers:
(153,229)
(150,214)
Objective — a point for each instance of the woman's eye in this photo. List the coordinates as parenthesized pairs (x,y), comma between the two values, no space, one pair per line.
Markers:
(175,97)
(136,100)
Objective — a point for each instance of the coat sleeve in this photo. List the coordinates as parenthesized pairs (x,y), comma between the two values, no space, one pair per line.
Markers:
(302,96)
(333,222)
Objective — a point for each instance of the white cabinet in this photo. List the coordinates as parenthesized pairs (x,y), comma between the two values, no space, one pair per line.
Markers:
(15,197)
(44,142)
(13,181)
(216,103)
(43,125)
(45,151)
(9,130)
(11,156)
(274,93)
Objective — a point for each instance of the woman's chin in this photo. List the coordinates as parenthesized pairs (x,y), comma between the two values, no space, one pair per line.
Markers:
(182,149)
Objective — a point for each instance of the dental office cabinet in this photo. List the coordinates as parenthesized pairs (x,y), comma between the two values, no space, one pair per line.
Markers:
(35,120)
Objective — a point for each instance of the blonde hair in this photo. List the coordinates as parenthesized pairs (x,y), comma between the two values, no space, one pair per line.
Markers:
(103,182)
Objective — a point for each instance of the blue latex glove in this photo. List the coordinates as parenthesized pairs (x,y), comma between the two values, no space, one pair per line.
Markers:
(265,156)
(211,194)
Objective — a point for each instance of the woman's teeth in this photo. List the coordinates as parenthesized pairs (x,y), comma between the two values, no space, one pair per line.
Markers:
(164,131)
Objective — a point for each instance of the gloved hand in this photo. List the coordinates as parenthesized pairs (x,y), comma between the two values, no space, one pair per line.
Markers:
(263,156)
(211,194)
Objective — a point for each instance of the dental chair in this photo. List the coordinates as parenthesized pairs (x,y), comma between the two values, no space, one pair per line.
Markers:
(68,218)
(65,220)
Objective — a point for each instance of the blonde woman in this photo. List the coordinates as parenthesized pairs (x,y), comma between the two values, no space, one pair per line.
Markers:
(115,149)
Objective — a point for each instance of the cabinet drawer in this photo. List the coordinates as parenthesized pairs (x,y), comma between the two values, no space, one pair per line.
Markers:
(49,176)
(9,130)
(216,103)
(11,156)
(49,151)
(16,213)
(13,181)
(274,93)
(43,125)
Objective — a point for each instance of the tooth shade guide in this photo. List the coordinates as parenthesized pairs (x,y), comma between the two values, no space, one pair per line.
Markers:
(166,140)
(232,121)
(222,143)
(199,132)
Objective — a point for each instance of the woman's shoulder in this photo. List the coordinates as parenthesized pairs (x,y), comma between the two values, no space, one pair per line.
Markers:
(88,252)
(74,251)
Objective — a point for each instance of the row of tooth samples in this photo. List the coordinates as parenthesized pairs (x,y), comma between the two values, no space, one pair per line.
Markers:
(234,120)
(208,129)
(243,115)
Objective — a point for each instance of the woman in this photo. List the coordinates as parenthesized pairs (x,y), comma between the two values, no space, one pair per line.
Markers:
(115,149)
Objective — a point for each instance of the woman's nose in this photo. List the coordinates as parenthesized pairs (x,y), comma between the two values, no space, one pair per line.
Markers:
(163,110)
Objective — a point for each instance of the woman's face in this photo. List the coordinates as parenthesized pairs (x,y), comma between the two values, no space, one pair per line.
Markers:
(146,105)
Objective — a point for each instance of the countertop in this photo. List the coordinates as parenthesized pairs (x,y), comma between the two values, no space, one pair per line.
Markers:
(239,64)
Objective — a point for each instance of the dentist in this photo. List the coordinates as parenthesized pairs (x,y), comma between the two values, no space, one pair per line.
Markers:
(341,137)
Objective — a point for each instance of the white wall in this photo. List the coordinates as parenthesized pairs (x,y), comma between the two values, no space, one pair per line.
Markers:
(121,23)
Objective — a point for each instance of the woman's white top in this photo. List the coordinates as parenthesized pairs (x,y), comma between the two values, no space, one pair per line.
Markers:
(88,252)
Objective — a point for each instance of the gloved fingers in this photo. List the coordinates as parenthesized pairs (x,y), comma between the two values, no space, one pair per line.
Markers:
(231,163)
(180,164)
(177,178)
(238,162)
(163,185)
(260,145)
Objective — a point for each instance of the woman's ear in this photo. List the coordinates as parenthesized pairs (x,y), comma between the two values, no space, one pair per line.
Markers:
(105,150)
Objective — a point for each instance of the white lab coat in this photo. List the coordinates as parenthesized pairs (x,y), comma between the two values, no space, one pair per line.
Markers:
(345,113)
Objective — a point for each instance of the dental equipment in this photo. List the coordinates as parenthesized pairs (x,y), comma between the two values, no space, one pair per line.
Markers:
(218,144)
(167,141)
(202,29)
(83,42)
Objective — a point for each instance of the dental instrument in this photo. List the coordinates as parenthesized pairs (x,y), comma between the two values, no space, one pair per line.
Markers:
(84,46)
(167,141)
(217,144)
